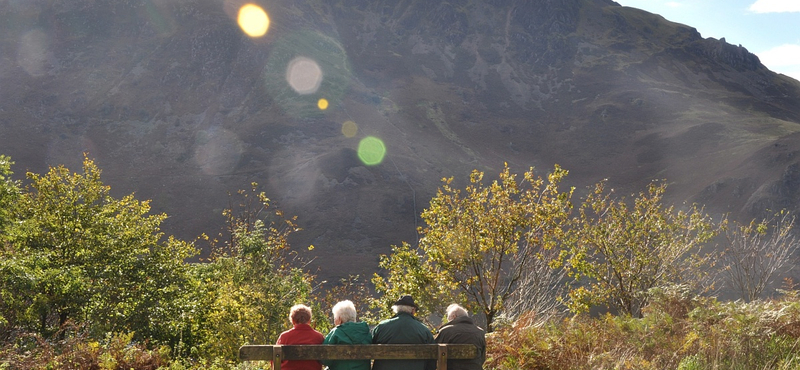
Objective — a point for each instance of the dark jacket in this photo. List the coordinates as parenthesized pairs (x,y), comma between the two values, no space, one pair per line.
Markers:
(462,330)
(403,328)
(349,333)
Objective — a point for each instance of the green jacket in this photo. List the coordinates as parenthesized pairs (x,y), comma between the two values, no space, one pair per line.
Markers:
(403,328)
(349,333)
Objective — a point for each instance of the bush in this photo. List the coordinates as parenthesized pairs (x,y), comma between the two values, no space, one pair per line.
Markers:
(678,330)
(116,351)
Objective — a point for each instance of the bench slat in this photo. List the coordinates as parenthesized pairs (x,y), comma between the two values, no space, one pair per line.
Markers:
(357,352)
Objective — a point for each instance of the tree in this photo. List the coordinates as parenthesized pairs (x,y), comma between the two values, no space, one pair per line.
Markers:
(252,279)
(756,252)
(409,272)
(74,253)
(539,291)
(9,193)
(622,251)
(479,244)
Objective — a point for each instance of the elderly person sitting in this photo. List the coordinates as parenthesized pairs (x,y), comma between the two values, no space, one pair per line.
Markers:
(347,331)
(460,329)
(402,328)
(301,333)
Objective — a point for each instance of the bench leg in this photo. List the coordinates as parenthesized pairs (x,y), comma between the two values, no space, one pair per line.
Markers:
(277,356)
(441,361)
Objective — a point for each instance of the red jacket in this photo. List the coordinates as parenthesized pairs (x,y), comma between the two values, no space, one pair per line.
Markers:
(301,334)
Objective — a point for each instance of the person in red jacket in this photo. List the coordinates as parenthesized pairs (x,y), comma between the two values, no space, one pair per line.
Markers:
(301,333)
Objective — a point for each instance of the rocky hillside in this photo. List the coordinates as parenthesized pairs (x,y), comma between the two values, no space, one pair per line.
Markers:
(178,105)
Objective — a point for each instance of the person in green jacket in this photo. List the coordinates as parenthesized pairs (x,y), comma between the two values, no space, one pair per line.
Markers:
(403,328)
(347,331)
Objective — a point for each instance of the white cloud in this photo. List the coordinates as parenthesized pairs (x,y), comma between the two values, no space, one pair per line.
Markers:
(783,59)
(775,6)
(781,56)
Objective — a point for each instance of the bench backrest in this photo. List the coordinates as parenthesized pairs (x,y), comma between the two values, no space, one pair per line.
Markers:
(439,352)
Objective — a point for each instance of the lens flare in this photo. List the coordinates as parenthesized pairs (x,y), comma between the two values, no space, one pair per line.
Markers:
(253,20)
(322,104)
(304,75)
(217,151)
(349,128)
(32,54)
(371,150)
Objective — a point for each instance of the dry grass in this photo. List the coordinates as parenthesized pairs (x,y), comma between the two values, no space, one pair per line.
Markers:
(76,351)
(678,331)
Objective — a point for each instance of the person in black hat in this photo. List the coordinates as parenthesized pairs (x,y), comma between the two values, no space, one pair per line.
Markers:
(402,328)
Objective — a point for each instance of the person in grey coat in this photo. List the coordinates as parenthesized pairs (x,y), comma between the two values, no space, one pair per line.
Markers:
(460,329)
(403,328)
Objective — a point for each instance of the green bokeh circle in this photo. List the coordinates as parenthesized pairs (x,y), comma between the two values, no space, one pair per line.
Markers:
(371,150)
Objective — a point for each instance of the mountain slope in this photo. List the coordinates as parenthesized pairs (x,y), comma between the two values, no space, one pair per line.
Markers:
(176,104)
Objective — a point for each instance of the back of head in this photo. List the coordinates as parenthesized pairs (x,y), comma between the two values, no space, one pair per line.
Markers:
(405,304)
(454,311)
(344,311)
(300,314)
(404,309)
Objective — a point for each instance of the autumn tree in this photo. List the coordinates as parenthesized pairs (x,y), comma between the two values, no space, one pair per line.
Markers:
(756,252)
(250,282)
(75,253)
(619,251)
(479,243)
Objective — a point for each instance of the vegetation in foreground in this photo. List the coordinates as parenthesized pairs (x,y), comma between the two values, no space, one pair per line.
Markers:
(88,281)
(678,330)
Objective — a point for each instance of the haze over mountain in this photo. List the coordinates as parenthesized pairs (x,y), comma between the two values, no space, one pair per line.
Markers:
(177,104)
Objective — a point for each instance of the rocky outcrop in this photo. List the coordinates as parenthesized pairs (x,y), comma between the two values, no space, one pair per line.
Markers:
(735,56)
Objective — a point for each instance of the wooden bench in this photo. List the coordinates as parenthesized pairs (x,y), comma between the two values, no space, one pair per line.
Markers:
(439,352)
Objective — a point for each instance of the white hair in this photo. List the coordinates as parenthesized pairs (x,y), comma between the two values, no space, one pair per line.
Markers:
(454,311)
(345,311)
(403,308)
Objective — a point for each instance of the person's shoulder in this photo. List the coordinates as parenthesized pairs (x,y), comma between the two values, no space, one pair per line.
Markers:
(358,326)
(387,321)
(282,336)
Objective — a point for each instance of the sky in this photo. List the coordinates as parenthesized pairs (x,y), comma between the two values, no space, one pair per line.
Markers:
(767,28)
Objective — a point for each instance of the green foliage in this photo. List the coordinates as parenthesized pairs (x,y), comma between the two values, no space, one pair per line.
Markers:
(244,293)
(354,288)
(479,242)
(9,193)
(620,252)
(74,253)
(408,272)
(74,257)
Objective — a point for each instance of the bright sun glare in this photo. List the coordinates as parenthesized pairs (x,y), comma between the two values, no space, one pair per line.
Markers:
(253,20)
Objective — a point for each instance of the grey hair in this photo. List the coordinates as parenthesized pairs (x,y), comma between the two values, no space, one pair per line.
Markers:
(403,308)
(345,311)
(454,311)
